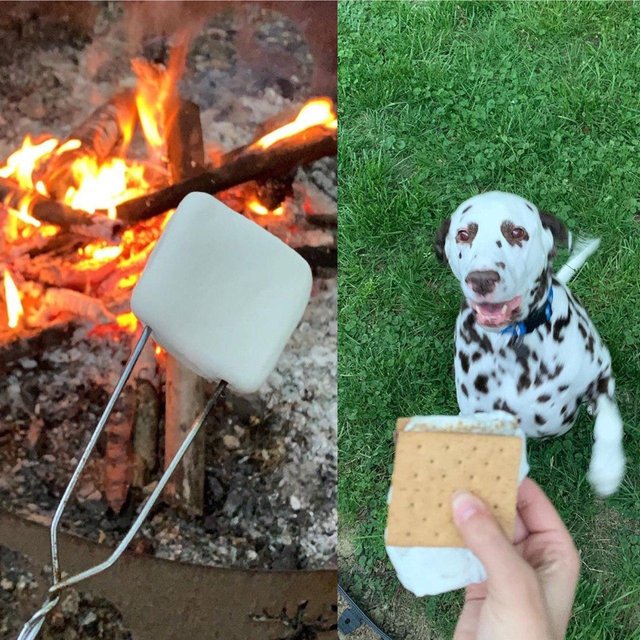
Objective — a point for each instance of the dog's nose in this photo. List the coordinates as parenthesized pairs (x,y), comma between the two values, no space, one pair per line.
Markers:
(483,282)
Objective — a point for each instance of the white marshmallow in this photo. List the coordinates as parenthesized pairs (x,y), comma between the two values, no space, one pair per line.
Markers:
(222,294)
(433,570)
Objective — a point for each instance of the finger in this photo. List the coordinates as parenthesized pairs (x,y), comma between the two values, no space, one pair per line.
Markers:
(483,535)
(536,510)
(520,530)
(467,626)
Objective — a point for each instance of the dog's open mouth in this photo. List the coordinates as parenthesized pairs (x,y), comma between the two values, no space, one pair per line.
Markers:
(496,314)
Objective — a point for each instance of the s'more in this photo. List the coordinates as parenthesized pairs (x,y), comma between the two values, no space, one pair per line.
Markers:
(435,456)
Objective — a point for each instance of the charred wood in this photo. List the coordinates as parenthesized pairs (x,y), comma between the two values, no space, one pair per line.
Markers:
(236,167)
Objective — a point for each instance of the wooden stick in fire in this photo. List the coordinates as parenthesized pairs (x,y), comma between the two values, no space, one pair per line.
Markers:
(185,390)
(236,167)
(50,211)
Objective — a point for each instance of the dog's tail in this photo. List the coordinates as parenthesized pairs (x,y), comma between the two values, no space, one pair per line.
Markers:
(580,253)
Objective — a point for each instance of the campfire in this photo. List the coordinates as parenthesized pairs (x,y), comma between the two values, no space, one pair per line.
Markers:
(79,216)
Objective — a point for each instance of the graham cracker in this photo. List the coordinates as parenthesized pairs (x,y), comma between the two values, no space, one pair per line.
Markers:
(430,466)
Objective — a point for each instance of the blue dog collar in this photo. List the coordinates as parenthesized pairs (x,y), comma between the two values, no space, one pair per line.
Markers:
(532,322)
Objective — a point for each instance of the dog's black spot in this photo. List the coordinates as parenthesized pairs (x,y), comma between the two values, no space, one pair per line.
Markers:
(485,344)
(539,419)
(557,372)
(463,388)
(522,355)
(499,244)
(582,330)
(540,287)
(460,255)
(603,384)
(563,387)
(559,325)
(468,331)
(524,382)
(507,228)
(475,356)
(501,265)
(480,383)
(467,208)
(464,361)
(558,230)
(545,397)
(590,344)
(528,206)
(501,405)
(568,419)
(564,409)
(534,356)
(502,353)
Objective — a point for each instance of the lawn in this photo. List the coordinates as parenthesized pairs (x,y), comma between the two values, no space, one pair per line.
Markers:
(439,101)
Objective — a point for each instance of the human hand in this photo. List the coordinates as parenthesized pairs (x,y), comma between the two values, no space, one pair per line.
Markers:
(531,583)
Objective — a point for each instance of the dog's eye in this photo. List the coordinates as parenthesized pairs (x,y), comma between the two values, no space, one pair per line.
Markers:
(462,236)
(518,233)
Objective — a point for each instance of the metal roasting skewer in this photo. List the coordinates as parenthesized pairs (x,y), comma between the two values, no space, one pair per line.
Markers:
(32,627)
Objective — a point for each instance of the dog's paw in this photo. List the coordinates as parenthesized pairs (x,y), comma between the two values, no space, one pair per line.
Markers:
(606,470)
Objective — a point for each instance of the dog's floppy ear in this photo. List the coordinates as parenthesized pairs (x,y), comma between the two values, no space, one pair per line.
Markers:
(561,235)
(439,240)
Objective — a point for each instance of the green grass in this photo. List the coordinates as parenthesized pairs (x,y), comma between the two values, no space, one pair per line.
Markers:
(439,101)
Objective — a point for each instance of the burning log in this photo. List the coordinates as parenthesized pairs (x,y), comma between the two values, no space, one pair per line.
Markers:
(58,300)
(50,211)
(244,164)
(185,390)
(106,131)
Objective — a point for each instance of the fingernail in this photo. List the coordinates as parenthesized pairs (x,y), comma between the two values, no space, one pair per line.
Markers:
(465,505)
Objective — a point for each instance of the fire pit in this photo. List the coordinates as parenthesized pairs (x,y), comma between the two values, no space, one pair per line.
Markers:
(81,212)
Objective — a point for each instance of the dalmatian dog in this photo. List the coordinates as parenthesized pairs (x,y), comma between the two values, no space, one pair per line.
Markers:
(524,344)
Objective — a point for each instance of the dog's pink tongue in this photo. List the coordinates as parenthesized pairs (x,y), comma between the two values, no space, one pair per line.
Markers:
(496,314)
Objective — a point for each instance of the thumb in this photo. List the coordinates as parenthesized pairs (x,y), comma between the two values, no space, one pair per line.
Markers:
(483,535)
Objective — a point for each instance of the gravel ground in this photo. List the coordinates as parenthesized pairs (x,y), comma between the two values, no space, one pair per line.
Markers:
(270,476)
(270,483)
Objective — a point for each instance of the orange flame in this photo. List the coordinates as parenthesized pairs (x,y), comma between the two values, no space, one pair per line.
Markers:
(21,163)
(12,297)
(103,186)
(255,206)
(156,93)
(316,112)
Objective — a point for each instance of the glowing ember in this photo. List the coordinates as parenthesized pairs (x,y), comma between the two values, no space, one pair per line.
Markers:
(99,252)
(259,209)
(12,297)
(128,282)
(316,112)
(127,321)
